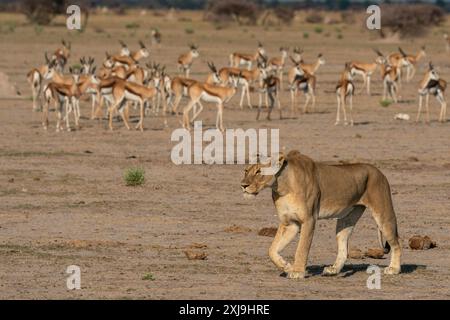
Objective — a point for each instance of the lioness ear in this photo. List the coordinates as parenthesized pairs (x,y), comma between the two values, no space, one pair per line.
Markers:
(276,163)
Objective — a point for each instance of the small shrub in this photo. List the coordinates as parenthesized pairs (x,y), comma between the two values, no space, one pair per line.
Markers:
(132,25)
(40,12)
(305,35)
(340,36)
(189,31)
(314,17)
(385,103)
(134,177)
(76,66)
(148,277)
(318,29)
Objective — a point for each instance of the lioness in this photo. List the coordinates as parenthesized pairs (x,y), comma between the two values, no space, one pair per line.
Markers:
(304,191)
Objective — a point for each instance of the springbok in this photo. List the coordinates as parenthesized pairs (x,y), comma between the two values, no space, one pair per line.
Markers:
(277,64)
(185,60)
(238,59)
(413,60)
(391,77)
(432,84)
(344,91)
(209,93)
(35,78)
(366,70)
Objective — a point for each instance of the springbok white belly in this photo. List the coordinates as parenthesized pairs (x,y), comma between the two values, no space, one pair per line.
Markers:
(209,98)
(131,96)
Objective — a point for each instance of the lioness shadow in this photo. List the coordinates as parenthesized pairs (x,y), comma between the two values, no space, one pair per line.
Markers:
(350,269)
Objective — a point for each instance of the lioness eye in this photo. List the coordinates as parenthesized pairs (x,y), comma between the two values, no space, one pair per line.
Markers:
(259,171)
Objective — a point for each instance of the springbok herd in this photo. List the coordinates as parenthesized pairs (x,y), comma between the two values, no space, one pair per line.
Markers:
(124,80)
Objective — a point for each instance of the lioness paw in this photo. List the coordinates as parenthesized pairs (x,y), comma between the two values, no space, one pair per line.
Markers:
(391,270)
(330,271)
(295,275)
(288,268)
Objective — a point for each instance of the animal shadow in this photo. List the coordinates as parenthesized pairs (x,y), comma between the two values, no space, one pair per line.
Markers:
(351,269)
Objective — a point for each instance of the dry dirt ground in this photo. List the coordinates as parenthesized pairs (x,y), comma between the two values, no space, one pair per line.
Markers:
(63,200)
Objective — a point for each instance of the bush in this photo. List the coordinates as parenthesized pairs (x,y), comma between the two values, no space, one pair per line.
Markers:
(134,177)
(348,17)
(41,12)
(411,20)
(318,29)
(238,10)
(314,17)
(286,15)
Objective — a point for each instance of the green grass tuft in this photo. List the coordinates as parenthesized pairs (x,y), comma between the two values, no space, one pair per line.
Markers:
(318,29)
(132,25)
(148,277)
(134,177)
(385,103)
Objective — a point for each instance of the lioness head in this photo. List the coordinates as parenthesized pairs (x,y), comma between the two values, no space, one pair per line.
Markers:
(259,176)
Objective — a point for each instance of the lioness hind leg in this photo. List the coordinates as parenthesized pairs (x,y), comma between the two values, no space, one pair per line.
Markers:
(344,229)
(284,236)
(389,231)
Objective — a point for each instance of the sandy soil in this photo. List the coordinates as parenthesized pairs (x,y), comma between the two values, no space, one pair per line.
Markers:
(63,200)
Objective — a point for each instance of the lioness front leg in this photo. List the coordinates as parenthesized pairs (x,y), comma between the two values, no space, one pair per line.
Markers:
(344,229)
(284,236)
(304,245)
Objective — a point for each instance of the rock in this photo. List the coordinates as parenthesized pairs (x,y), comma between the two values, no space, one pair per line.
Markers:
(402,116)
(421,243)
(355,253)
(268,232)
(375,253)
(193,255)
